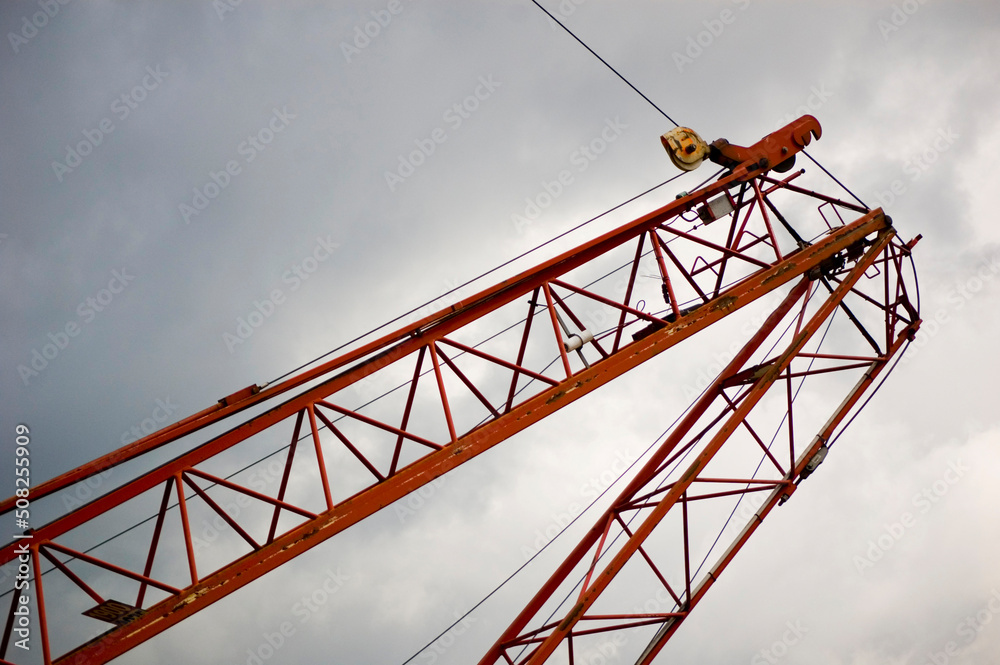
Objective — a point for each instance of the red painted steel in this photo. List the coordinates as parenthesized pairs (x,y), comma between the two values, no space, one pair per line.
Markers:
(750,258)
(542,641)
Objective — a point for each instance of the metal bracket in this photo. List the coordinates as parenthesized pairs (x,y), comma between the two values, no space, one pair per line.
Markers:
(775,151)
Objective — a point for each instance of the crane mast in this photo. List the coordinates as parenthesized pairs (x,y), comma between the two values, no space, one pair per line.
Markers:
(566,331)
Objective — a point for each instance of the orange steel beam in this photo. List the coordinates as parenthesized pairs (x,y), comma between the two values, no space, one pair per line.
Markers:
(430,333)
(221,583)
(570,389)
(780,494)
(774,148)
(547,638)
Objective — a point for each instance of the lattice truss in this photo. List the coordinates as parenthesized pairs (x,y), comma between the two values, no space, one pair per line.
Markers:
(349,437)
(747,441)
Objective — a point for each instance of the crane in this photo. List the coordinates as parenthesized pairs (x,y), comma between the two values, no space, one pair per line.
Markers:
(566,329)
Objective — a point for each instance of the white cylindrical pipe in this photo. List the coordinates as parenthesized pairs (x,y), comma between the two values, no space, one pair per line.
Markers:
(577,341)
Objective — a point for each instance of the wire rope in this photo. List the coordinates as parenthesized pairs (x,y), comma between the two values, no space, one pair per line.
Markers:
(606,64)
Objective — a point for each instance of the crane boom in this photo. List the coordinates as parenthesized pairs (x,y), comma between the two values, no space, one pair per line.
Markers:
(653,494)
(715,251)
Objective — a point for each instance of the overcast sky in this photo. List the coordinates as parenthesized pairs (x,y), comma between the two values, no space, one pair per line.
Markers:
(165,166)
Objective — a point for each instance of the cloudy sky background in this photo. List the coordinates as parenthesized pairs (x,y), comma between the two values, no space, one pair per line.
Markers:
(886,80)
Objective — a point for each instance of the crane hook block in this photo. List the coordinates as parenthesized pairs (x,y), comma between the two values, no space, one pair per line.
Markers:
(687,150)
